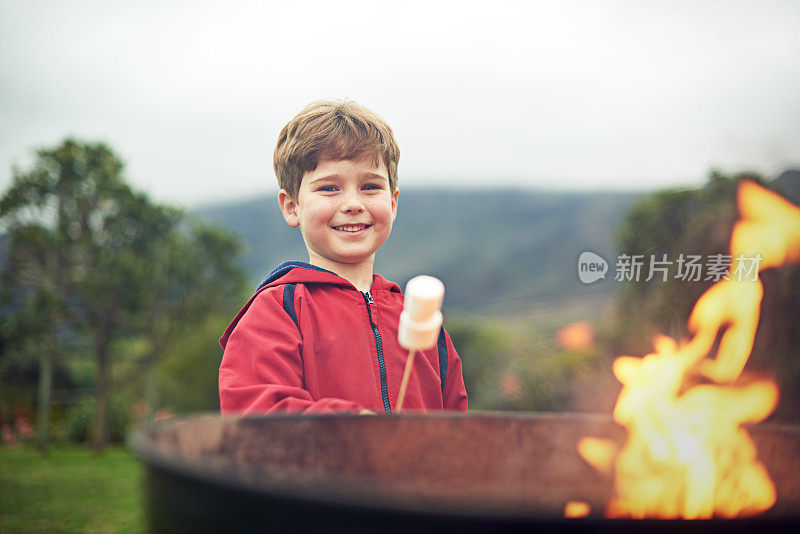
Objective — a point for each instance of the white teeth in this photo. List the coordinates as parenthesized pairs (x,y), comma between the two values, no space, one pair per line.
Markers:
(351,227)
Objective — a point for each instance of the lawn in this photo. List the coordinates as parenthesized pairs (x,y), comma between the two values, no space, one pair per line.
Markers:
(71,490)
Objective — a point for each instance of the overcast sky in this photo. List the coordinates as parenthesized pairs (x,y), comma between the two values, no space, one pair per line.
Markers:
(566,95)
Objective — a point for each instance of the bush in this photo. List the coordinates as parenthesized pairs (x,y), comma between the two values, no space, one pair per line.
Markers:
(80,418)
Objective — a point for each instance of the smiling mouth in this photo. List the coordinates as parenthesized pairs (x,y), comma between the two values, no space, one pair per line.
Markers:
(351,228)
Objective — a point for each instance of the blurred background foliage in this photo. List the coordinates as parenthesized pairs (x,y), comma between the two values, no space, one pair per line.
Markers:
(100,284)
(111,304)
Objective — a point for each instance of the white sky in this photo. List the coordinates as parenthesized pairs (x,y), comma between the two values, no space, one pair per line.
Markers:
(566,95)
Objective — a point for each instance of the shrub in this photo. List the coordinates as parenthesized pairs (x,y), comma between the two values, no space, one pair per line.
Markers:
(80,418)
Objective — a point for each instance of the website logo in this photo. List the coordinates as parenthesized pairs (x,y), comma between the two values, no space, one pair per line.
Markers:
(591,267)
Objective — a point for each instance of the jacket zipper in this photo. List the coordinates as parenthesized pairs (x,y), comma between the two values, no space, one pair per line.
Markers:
(379,345)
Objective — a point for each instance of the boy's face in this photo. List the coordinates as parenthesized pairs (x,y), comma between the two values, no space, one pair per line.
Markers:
(344,209)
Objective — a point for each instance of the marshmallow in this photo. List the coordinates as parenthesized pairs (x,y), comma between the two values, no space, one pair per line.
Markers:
(421,318)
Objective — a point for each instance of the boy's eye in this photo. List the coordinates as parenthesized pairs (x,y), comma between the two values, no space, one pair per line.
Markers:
(327,188)
(372,186)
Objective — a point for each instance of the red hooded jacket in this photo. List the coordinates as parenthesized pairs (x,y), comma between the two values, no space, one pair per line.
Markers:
(309,341)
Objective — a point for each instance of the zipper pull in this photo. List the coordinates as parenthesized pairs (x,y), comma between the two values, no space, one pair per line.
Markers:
(368,297)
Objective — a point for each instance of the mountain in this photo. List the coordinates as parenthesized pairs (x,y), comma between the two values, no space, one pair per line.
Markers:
(788,184)
(509,252)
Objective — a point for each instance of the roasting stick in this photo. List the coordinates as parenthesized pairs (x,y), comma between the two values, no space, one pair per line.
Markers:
(420,322)
(404,383)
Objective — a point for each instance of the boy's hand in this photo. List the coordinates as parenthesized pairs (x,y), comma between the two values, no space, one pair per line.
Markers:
(366,412)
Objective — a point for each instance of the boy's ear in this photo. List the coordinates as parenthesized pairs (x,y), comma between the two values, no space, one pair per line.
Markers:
(394,203)
(288,209)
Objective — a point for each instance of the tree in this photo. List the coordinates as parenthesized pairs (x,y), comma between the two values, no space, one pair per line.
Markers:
(189,274)
(673,222)
(109,291)
(34,279)
(108,262)
(32,332)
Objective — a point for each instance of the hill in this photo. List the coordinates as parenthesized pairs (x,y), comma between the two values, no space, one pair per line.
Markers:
(501,253)
(788,184)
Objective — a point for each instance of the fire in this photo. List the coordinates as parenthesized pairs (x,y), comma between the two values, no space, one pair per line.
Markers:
(576,509)
(687,454)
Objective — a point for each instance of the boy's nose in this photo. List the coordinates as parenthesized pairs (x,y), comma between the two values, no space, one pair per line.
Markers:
(351,203)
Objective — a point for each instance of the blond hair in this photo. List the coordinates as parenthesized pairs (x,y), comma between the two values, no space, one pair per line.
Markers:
(332,130)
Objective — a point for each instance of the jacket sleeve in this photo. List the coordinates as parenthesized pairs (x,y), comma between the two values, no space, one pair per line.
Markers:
(262,367)
(454,396)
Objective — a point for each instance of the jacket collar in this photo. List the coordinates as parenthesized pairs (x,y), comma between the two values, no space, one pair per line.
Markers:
(292,272)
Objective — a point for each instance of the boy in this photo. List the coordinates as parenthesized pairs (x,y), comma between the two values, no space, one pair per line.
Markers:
(322,336)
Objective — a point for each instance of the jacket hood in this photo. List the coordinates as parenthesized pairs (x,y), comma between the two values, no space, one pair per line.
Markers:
(294,272)
(300,272)
(305,271)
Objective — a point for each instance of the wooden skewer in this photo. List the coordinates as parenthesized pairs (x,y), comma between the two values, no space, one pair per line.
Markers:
(404,383)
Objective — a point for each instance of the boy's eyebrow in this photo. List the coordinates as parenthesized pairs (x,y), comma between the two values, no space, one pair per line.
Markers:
(326,177)
(370,174)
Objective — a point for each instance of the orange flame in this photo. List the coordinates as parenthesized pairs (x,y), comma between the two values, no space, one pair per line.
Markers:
(576,509)
(687,455)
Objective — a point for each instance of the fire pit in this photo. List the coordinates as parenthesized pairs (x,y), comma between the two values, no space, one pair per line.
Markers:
(475,473)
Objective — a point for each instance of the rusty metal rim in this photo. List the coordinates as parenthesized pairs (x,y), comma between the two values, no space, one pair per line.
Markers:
(173,464)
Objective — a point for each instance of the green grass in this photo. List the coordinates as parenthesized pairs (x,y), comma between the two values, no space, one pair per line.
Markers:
(71,490)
